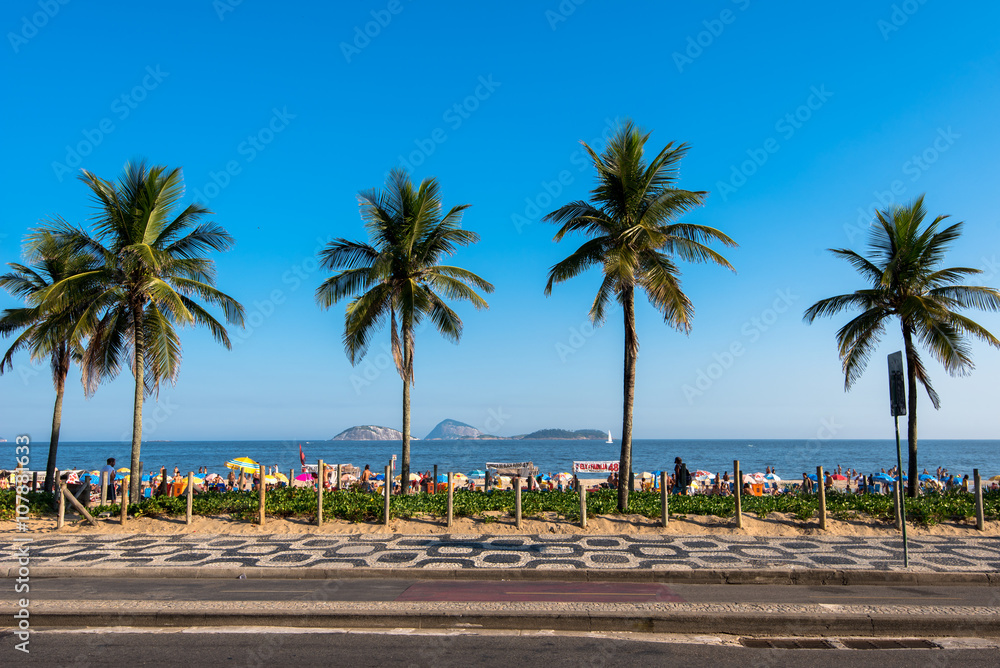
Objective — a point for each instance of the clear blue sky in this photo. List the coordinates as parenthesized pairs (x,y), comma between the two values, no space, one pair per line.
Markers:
(839,98)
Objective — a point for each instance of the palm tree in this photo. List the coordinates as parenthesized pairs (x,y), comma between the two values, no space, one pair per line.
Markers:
(906,284)
(151,271)
(397,276)
(634,239)
(46,332)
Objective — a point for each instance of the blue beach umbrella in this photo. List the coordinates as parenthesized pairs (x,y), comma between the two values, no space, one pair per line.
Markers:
(380,476)
(882,477)
(812,476)
(477,474)
(442,477)
(925,476)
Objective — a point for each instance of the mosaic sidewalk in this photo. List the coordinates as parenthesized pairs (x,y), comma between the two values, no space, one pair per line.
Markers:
(932,554)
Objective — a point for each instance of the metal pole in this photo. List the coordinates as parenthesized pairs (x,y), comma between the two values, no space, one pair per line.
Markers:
(902,495)
(190,497)
(517,501)
(738,489)
(386,486)
(451,498)
(664,511)
(980,522)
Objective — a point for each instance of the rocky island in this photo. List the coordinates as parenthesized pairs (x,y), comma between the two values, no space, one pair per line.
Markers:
(369,432)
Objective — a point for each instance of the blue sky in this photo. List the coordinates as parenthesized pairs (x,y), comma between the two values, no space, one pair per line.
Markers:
(800,121)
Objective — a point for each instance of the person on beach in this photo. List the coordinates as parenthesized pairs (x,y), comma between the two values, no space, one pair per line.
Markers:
(367,484)
(109,468)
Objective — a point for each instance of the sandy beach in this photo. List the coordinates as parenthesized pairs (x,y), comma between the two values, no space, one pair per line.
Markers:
(775,524)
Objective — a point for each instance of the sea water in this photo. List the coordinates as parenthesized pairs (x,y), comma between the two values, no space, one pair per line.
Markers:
(790,458)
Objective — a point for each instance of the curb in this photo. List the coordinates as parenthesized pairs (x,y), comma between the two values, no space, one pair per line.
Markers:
(863,625)
(812,577)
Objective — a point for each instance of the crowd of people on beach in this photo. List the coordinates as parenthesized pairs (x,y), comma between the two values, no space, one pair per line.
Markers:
(680,481)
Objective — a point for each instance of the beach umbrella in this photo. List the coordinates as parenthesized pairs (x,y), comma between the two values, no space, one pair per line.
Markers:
(458,477)
(996,477)
(925,476)
(305,476)
(772,477)
(759,477)
(703,474)
(646,474)
(812,476)
(837,476)
(477,474)
(882,477)
(244,464)
(442,478)
(563,477)
(380,476)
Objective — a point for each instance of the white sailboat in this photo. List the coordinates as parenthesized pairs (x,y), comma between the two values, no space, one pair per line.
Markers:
(610,440)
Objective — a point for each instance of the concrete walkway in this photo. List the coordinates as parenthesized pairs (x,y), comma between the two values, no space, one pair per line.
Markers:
(485,552)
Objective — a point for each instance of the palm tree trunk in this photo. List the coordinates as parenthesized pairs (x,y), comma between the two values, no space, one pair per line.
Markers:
(62,368)
(911,412)
(631,353)
(140,390)
(408,376)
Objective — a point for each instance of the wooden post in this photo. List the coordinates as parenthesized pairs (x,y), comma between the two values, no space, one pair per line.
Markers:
(163,481)
(822,497)
(451,498)
(631,481)
(123,500)
(34,481)
(262,474)
(76,504)
(190,497)
(104,488)
(434,482)
(664,510)
(980,522)
(738,493)
(386,487)
(61,518)
(517,501)
(340,473)
(320,470)
(583,507)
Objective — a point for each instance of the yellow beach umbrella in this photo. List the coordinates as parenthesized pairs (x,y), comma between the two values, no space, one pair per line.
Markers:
(244,464)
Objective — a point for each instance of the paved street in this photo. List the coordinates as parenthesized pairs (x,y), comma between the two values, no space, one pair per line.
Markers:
(403,647)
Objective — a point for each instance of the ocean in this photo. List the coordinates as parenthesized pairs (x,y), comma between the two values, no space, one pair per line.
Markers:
(790,458)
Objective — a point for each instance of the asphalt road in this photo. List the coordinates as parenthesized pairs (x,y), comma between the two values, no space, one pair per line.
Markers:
(259,647)
(180,589)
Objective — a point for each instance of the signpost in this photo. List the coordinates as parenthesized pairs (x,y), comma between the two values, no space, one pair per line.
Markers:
(897,405)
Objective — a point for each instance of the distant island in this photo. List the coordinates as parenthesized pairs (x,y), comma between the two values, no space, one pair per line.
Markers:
(453,430)
(369,432)
(566,435)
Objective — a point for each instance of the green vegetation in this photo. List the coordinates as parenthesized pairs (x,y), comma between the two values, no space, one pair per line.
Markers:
(635,240)
(396,277)
(907,285)
(566,433)
(363,507)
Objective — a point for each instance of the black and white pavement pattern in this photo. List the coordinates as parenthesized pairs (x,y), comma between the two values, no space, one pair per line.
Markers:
(940,554)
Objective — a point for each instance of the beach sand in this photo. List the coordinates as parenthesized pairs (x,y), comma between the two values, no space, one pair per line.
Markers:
(775,524)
